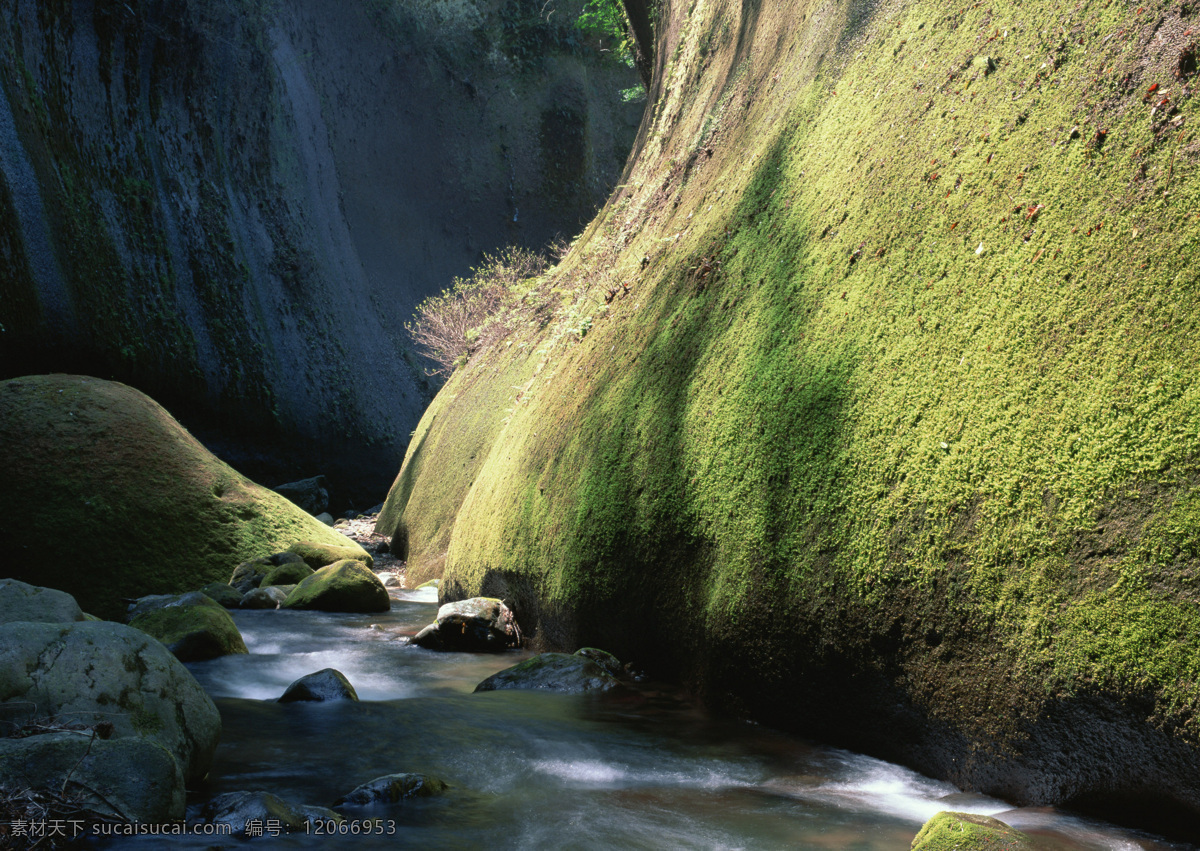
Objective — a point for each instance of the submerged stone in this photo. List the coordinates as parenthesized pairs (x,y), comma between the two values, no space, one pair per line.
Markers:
(392,789)
(560,672)
(237,808)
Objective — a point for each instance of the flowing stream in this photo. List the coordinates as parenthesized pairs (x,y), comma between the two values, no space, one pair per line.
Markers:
(641,769)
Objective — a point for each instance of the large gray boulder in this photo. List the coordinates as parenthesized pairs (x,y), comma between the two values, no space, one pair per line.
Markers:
(237,808)
(22,602)
(477,624)
(97,672)
(561,672)
(194,629)
(129,778)
(345,586)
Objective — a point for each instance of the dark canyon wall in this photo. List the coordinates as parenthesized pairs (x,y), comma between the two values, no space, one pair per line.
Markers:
(235,205)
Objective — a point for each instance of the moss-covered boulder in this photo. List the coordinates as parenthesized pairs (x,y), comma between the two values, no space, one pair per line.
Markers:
(969,832)
(155,511)
(223,593)
(250,574)
(560,672)
(193,632)
(318,554)
(235,809)
(286,574)
(392,789)
(111,675)
(20,601)
(344,586)
(121,778)
(326,684)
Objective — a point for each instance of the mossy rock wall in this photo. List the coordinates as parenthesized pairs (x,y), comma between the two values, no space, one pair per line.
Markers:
(235,206)
(107,497)
(893,437)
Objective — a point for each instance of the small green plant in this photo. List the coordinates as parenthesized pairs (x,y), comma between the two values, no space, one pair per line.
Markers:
(606,19)
(478,310)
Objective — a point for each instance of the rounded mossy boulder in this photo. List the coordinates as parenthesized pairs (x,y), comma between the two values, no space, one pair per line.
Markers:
(286,574)
(155,510)
(223,593)
(969,832)
(318,554)
(250,574)
(112,675)
(344,586)
(193,632)
(20,601)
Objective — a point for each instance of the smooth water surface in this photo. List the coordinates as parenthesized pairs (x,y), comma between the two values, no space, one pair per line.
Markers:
(641,769)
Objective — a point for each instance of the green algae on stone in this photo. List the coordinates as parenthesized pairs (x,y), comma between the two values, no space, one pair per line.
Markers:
(193,633)
(155,510)
(344,586)
(286,574)
(969,832)
(318,554)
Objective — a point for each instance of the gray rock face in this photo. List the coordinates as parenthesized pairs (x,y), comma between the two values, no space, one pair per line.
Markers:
(392,789)
(271,597)
(477,624)
(568,674)
(22,602)
(106,672)
(237,808)
(130,778)
(326,684)
(310,494)
(345,586)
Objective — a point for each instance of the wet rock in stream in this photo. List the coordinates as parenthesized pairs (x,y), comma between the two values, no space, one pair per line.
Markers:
(237,809)
(392,789)
(326,684)
(560,672)
(474,625)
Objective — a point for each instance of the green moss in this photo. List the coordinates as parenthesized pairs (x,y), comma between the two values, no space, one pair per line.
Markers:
(96,455)
(969,832)
(318,554)
(344,586)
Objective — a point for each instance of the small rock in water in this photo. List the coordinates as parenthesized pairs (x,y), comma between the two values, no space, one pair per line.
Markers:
(568,674)
(237,808)
(326,684)
(344,586)
(392,789)
(969,832)
(477,624)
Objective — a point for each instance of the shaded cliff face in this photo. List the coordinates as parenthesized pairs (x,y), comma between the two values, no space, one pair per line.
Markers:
(887,432)
(235,206)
